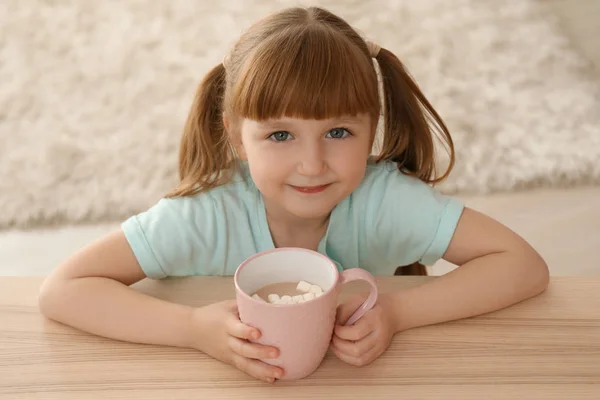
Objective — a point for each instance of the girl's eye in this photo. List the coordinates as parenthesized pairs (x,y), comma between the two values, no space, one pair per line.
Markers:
(279,136)
(338,133)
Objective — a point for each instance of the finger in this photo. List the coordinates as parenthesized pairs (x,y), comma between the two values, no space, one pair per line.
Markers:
(252,350)
(237,328)
(345,310)
(358,361)
(257,369)
(358,331)
(355,349)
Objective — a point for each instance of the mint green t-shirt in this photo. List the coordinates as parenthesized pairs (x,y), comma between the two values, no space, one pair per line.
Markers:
(389,220)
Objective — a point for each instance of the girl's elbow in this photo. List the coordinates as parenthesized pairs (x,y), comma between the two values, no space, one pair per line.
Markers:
(48,302)
(540,273)
(45,299)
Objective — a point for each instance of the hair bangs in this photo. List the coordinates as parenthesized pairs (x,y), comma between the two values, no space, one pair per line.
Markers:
(308,73)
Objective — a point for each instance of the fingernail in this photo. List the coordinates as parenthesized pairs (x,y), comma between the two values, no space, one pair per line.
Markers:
(278,374)
(273,354)
(255,335)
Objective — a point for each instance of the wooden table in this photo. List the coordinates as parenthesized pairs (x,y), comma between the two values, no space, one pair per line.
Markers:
(547,348)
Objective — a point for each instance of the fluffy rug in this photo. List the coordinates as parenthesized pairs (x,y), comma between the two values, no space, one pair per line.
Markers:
(94,94)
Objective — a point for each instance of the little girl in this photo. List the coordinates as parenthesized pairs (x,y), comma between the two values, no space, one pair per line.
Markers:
(276,152)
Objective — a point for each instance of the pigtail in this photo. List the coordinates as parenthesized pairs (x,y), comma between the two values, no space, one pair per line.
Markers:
(410,122)
(205,153)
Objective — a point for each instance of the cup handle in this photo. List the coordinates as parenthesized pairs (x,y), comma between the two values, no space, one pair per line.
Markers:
(354,274)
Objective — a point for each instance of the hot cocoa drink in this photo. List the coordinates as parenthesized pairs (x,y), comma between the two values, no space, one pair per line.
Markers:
(288,292)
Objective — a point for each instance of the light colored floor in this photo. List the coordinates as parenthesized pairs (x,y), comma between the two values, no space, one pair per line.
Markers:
(563,225)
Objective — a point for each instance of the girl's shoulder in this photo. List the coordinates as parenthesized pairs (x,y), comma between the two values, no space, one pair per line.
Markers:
(236,195)
(385,190)
(385,176)
(404,218)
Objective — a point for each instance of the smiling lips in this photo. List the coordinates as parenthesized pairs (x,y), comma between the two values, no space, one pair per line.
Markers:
(310,189)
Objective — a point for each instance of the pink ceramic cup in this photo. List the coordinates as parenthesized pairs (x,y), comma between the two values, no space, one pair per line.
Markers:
(302,332)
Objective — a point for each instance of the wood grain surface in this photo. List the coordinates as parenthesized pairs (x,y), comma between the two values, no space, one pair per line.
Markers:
(545,348)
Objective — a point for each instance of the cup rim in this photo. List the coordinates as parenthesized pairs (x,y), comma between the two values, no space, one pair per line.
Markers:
(280,249)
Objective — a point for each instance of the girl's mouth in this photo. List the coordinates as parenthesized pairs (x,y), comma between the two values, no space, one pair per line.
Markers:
(311,189)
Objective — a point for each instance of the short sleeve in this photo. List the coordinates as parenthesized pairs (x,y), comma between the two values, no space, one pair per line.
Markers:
(167,239)
(411,220)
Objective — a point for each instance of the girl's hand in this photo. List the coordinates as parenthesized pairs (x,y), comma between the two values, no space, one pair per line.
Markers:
(369,337)
(223,336)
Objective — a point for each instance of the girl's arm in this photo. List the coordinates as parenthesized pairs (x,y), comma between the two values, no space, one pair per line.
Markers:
(90,292)
(497,268)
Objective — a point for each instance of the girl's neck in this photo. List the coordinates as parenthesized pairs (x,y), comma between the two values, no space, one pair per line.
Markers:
(291,231)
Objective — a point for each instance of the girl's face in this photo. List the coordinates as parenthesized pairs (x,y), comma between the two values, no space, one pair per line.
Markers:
(303,168)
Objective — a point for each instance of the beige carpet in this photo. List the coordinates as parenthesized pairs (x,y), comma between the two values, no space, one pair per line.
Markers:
(93,95)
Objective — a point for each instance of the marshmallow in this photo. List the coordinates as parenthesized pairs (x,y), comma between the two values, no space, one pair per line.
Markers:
(257,297)
(287,299)
(273,298)
(319,294)
(303,286)
(298,299)
(315,289)
(308,296)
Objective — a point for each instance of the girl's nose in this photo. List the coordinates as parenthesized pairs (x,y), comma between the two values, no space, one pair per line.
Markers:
(312,160)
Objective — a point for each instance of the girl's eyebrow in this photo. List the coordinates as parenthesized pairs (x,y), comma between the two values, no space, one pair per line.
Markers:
(347,120)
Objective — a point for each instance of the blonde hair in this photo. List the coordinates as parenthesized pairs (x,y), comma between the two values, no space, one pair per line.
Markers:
(306,63)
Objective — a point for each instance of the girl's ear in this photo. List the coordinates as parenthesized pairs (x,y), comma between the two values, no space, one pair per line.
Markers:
(235,137)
